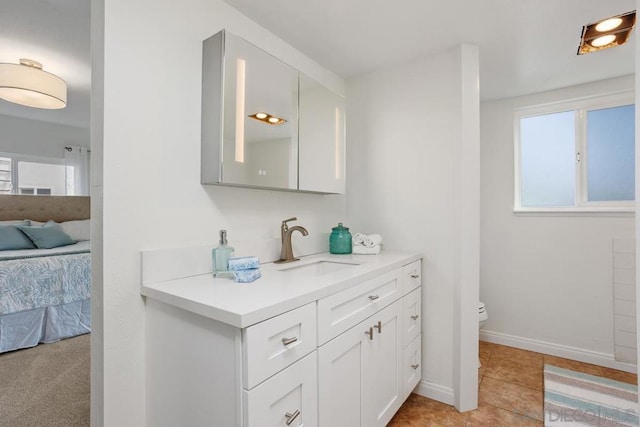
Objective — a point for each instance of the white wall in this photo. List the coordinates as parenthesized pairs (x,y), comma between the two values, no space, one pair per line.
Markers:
(403,180)
(546,280)
(37,138)
(147,137)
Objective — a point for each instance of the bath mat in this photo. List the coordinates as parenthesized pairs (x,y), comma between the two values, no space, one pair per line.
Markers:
(576,399)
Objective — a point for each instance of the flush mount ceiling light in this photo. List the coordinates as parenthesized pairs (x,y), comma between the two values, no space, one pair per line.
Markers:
(268,118)
(27,84)
(607,33)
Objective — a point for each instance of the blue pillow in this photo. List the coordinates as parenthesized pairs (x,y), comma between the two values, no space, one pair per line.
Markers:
(47,236)
(11,238)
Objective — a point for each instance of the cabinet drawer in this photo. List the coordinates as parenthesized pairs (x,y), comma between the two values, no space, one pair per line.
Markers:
(411,276)
(411,367)
(341,311)
(290,398)
(276,343)
(412,316)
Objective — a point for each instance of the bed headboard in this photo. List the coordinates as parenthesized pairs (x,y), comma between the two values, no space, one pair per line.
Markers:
(44,208)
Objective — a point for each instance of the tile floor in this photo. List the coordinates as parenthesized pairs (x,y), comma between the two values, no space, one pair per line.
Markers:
(510,394)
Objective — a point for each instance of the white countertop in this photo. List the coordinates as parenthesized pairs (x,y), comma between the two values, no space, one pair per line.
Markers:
(277,291)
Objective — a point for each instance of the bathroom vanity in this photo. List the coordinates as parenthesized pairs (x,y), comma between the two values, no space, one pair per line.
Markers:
(331,340)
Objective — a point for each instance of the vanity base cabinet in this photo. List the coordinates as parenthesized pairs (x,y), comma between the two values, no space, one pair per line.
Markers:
(195,370)
(193,367)
(360,372)
(348,359)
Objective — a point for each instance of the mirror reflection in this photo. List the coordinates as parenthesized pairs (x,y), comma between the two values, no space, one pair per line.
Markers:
(260,143)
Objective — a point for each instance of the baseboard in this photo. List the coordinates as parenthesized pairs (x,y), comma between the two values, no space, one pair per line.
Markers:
(435,392)
(595,358)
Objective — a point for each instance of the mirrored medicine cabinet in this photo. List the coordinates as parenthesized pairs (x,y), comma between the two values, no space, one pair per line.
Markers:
(266,124)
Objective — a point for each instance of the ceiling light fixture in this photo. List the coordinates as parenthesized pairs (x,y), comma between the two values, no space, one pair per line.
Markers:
(609,32)
(268,118)
(27,84)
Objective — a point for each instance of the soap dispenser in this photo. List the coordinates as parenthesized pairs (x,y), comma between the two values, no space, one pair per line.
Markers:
(220,256)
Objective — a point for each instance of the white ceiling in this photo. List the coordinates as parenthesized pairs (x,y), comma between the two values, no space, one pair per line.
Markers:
(525,46)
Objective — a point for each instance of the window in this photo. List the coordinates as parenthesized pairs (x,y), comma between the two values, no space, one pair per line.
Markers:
(29,175)
(576,156)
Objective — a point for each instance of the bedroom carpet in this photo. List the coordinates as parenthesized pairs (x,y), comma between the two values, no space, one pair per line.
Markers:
(47,385)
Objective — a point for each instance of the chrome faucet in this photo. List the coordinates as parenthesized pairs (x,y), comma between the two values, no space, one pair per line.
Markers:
(286,255)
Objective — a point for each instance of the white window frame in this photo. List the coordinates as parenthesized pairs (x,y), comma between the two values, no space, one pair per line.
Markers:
(580,107)
(15,158)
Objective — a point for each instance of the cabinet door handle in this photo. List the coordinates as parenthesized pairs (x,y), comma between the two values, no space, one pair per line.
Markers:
(416,366)
(414,317)
(374,297)
(415,276)
(378,326)
(291,417)
(287,341)
(370,333)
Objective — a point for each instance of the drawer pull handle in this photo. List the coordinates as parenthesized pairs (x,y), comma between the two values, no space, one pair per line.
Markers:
(415,276)
(378,326)
(374,297)
(370,333)
(414,317)
(287,341)
(291,417)
(416,366)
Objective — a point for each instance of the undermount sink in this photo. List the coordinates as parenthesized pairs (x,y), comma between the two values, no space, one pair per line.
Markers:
(319,267)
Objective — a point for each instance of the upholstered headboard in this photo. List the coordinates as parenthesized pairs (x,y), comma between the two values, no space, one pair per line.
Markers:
(44,208)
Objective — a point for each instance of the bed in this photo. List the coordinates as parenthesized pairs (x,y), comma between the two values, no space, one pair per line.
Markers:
(45,294)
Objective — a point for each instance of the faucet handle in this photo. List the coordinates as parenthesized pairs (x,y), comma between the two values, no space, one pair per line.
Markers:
(284,223)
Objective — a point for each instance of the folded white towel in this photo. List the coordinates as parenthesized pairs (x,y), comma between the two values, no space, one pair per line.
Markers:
(358,238)
(361,250)
(372,240)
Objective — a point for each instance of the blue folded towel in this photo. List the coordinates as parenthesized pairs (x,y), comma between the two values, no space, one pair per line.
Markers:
(247,276)
(243,263)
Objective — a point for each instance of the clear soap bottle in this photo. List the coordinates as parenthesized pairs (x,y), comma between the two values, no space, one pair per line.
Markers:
(220,256)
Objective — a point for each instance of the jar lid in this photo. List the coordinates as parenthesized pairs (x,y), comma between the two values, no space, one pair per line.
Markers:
(340,228)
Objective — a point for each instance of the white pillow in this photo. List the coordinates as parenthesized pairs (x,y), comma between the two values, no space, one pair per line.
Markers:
(77,230)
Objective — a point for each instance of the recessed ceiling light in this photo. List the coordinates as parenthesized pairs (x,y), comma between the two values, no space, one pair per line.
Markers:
(603,40)
(261,115)
(608,24)
(606,33)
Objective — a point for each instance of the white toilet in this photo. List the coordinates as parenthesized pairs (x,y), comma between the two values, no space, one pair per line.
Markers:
(482,319)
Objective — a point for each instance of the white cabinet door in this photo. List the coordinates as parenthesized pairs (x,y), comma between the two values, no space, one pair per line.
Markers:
(382,391)
(359,372)
(412,315)
(411,370)
(339,379)
(289,398)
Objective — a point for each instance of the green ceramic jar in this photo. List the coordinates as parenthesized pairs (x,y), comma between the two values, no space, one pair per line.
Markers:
(340,240)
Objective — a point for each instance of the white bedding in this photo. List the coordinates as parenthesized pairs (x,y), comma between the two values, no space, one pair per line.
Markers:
(77,248)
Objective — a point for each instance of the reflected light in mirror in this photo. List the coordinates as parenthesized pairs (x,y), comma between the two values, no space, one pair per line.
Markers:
(268,118)
(337,142)
(240,96)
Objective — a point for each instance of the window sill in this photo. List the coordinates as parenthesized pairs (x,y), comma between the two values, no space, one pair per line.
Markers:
(620,211)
